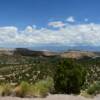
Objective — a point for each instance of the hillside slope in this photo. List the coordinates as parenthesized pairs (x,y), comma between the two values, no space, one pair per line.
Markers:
(32,53)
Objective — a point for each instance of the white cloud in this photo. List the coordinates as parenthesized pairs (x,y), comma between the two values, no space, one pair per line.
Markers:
(57,24)
(69,35)
(70,19)
(29,29)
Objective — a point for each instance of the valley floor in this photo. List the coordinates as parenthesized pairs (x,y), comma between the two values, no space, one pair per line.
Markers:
(53,97)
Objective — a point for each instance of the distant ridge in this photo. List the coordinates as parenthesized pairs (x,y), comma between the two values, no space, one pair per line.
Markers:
(61,48)
(77,54)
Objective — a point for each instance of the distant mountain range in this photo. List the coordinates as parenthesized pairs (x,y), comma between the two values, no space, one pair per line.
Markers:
(60,48)
(45,53)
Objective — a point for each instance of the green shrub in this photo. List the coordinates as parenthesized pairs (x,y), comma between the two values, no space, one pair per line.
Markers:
(49,84)
(42,88)
(69,77)
(94,88)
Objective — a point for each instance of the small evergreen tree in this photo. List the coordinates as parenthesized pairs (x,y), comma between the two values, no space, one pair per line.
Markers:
(69,77)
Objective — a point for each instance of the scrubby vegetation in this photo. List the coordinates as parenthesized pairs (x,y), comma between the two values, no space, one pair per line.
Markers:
(25,89)
(37,76)
(69,77)
(94,88)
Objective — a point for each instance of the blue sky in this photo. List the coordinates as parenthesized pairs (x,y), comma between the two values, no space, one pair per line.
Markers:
(49,22)
(28,12)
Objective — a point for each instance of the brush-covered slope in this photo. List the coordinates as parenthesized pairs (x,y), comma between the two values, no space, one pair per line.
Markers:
(21,64)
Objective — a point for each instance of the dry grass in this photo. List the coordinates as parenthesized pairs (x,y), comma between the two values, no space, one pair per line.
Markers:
(24,89)
(5,89)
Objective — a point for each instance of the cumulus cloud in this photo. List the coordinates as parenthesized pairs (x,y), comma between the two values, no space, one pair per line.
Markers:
(70,19)
(29,29)
(69,35)
(57,24)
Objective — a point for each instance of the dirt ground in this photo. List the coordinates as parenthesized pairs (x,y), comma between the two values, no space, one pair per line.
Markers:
(53,97)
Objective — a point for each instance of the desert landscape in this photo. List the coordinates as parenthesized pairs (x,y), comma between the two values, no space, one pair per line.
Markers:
(22,76)
(49,49)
